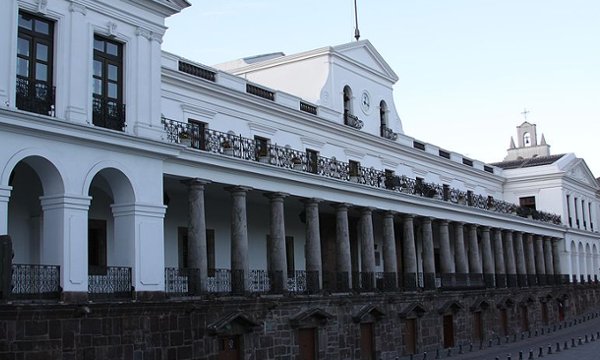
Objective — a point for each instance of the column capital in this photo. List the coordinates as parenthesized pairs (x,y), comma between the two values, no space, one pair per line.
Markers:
(311,201)
(461,223)
(195,182)
(367,209)
(341,206)
(475,226)
(508,232)
(444,222)
(389,213)
(276,195)
(238,189)
(485,228)
(408,217)
(426,219)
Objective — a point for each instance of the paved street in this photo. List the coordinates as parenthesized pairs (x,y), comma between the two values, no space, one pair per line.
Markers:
(530,346)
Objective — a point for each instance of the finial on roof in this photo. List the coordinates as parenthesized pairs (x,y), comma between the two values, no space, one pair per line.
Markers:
(356,31)
(512,143)
(543,140)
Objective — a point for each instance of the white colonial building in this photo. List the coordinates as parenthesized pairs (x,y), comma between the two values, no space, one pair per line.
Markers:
(124,169)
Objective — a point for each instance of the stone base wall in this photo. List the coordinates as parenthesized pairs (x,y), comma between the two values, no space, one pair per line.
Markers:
(268,327)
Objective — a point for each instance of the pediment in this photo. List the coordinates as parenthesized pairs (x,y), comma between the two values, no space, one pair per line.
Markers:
(451,306)
(413,309)
(234,323)
(364,53)
(580,172)
(480,304)
(310,318)
(368,312)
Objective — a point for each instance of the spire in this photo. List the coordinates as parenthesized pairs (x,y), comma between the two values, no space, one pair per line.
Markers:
(356,31)
(512,143)
(543,140)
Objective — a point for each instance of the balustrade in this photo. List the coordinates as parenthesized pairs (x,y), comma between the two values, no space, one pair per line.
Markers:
(35,281)
(109,282)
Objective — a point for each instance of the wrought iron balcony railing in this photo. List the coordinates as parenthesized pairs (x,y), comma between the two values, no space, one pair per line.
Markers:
(35,281)
(388,133)
(286,157)
(352,120)
(109,282)
(36,96)
(109,114)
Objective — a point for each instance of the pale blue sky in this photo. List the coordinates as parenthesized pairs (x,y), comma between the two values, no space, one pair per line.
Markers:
(467,68)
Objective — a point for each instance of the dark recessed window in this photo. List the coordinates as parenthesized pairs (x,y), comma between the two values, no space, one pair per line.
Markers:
(444,154)
(107,87)
(418,145)
(488,169)
(35,50)
(467,162)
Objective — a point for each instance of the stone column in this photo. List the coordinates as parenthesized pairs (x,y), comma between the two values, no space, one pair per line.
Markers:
(488,260)
(239,239)
(409,253)
(530,262)
(520,259)
(462,266)
(390,263)
(474,259)
(4,198)
(312,250)
(367,249)
(548,260)
(428,254)
(540,267)
(499,259)
(276,245)
(64,241)
(556,261)
(509,257)
(196,246)
(342,245)
(447,262)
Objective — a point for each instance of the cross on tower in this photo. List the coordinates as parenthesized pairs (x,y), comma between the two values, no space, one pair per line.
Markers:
(524,113)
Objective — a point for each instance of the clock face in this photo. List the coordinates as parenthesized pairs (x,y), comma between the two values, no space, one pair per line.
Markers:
(365,102)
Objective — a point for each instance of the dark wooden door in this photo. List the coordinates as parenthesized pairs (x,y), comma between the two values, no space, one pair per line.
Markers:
(504,322)
(308,344)
(410,336)
(561,312)
(230,348)
(477,326)
(524,319)
(545,313)
(448,331)
(367,347)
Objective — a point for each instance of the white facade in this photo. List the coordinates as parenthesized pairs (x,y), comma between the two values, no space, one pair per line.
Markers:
(67,182)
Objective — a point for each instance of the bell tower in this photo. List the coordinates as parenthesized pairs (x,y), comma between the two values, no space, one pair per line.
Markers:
(527,144)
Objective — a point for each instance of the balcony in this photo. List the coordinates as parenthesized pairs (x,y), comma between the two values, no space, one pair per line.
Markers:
(352,120)
(388,133)
(36,97)
(191,135)
(109,114)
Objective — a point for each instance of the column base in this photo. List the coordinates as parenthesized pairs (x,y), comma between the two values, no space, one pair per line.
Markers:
(149,295)
(74,297)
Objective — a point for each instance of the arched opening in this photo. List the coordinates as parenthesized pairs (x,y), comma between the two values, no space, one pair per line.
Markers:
(581,258)
(383,118)
(111,234)
(35,230)
(526,139)
(31,179)
(347,101)
(588,262)
(574,262)
(594,262)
